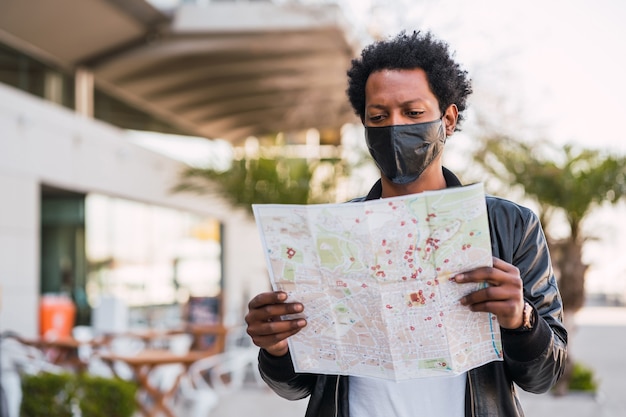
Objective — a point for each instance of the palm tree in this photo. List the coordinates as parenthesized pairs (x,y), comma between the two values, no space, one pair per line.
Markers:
(568,180)
(263,180)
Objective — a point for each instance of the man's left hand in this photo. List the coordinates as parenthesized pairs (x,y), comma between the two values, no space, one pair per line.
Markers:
(503,296)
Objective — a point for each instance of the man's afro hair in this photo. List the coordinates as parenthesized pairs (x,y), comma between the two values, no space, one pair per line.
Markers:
(448,82)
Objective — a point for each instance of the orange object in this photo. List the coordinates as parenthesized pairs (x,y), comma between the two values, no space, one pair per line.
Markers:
(56,316)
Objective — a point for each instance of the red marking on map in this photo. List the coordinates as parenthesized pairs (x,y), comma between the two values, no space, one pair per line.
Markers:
(417,297)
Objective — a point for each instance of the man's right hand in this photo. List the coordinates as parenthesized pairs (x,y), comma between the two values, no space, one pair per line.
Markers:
(265,325)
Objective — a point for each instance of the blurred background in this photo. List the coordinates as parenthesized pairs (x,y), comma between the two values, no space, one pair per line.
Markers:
(135,134)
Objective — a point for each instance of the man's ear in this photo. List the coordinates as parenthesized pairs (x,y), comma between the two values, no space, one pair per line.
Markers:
(450,118)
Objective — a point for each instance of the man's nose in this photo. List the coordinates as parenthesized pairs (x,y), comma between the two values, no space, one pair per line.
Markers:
(397,118)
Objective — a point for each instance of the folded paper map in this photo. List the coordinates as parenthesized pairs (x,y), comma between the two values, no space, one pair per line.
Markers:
(374,278)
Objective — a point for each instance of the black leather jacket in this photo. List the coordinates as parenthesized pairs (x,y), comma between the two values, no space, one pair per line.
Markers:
(533,360)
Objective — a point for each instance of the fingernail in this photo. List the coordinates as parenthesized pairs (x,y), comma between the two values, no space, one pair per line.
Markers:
(459,277)
(463,300)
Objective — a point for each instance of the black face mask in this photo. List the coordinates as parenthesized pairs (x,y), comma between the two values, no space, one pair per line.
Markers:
(403,152)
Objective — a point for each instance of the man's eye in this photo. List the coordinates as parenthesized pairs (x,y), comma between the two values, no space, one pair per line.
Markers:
(376,118)
(414,113)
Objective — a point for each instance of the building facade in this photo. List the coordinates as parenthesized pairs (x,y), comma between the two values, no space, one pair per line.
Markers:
(88,212)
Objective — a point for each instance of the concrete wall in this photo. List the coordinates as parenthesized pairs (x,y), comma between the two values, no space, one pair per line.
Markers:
(41,142)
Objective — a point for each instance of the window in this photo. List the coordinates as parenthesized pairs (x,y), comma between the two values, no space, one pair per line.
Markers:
(149,255)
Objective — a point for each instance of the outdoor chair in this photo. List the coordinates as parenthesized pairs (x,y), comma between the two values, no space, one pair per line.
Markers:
(17,359)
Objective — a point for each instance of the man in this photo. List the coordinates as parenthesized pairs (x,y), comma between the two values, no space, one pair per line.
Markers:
(410,95)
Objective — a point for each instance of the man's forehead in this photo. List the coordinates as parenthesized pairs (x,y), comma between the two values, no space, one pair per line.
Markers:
(401,84)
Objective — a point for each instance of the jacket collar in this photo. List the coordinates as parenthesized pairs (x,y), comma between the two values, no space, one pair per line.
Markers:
(451,181)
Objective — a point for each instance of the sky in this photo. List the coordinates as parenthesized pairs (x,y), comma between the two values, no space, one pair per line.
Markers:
(558,66)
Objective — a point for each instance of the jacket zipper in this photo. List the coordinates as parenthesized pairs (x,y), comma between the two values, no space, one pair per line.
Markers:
(471,394)
(337,396)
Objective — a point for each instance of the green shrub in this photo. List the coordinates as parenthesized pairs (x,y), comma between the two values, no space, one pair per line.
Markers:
(57,395)
(47,395)
(582,379)
(104,397)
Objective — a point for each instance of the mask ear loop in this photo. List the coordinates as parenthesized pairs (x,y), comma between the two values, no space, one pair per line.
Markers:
(444,127)
(443,115)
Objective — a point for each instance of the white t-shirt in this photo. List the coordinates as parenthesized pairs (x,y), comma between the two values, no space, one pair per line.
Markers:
(432,397)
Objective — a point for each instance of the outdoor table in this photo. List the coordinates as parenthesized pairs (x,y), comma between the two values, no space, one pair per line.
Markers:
(155,338)
(62,351)
(142,365)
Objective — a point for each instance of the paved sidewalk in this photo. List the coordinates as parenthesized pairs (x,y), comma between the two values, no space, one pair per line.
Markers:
(599,342)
